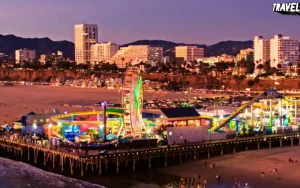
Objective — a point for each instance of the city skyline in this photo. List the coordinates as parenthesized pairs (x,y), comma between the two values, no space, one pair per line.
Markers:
(127,21)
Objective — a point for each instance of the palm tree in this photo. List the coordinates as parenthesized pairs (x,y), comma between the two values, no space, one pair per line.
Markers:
(122,62)
(260,67)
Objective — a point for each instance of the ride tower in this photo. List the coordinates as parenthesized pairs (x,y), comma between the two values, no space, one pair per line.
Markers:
(132,103)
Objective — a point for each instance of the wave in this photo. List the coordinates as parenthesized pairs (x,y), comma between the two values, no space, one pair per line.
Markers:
(18,175)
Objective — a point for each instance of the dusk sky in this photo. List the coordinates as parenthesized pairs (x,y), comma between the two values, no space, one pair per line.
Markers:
(122,21)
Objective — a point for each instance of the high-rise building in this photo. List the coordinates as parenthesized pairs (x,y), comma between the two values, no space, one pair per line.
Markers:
(189,53)
(261,50)
(103,52)
(135,54)
(283,50)
(24,55)
(85,35)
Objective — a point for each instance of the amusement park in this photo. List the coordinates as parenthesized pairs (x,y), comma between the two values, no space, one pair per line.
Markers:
(267,113)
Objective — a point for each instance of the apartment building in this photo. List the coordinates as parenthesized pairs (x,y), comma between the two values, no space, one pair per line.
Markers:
(24,55)
(189,53)
(283,50)
(85,35)
(261,48)
(134,54)
(103,52)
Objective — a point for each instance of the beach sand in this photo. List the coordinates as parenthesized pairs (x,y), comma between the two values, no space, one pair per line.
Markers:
(20,100)
(247,167)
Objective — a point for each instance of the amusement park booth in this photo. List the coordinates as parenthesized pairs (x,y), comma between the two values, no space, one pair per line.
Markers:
(34,123)
(178,117)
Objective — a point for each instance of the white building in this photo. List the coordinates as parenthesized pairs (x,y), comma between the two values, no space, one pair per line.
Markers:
(24,55)
(261,50)
(85,35)
(103,52)
(283,50)
(189,53)
(135,54)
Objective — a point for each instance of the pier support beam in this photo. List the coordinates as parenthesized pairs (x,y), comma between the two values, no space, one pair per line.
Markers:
(299,145)
(35,155)
(208,153)
(45,158)
(270,144)
(292,141)
(180,158)
(53,160)
(133,165)
(258,145)
(246,147)
(28,153)
(221,150)
(62,162)
(100,166)
(149,162)
(280,142)
(166,158)
(81,166)
(71,165)
(117,166)
(234,150)
(106,162)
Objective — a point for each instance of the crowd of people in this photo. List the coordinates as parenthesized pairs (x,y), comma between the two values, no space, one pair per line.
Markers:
(202,183)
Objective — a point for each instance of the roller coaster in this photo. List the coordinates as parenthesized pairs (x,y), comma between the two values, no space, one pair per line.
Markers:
(275,107)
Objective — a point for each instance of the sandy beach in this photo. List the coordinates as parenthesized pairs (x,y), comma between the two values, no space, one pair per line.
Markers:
(20,100)
(247,167)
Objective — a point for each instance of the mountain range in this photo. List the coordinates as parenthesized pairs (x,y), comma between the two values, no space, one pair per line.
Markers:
(10,43)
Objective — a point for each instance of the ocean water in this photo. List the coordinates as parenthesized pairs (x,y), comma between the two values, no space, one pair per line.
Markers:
(14,174)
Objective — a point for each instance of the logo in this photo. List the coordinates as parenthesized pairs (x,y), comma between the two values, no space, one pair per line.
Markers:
(287,8)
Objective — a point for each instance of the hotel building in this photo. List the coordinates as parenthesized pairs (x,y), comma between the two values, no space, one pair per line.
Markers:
(261,50)
(103,52)
(189,53)
(85,35)
(134,54)
(283,50)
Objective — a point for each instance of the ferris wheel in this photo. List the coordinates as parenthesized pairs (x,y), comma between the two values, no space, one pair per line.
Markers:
(132,103)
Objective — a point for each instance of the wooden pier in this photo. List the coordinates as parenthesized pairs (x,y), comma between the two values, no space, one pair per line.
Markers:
(115,161)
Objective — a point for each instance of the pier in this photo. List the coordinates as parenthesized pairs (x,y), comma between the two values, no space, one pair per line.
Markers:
(75,162)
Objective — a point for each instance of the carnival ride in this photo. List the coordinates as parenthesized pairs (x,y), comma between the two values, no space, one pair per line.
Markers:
(275,109)
(118,123)
(132,103)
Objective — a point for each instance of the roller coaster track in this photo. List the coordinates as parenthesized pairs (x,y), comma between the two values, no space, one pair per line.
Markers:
(267,94)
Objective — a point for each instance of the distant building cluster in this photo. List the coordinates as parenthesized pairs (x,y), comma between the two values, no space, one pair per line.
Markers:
(280,50)
(215,59)
(25,55)
(48,57)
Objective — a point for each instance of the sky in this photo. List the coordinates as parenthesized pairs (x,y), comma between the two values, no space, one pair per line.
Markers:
(124,21)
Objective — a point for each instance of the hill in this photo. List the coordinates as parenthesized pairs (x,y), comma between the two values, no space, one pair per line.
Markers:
(10,43)
(228,47)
